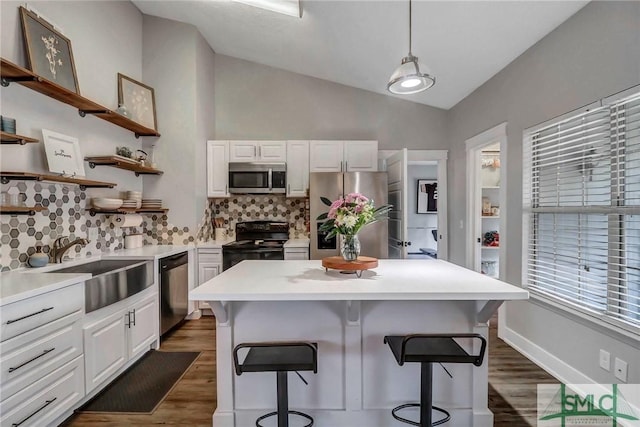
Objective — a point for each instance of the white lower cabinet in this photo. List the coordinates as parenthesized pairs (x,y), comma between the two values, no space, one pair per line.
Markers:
(111,341)
(296,253)
(209,266)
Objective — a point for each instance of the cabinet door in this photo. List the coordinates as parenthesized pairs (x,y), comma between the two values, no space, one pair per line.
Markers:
(272,151)
(325,156)
(143,326)
(361,156)
(206,271)
(217,169)
(297,168)
(105,349)
(243,151)
(296,254)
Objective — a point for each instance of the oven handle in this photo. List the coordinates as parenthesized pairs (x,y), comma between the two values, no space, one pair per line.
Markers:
(270,178)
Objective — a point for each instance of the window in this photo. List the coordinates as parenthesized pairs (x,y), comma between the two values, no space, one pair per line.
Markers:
(582,210)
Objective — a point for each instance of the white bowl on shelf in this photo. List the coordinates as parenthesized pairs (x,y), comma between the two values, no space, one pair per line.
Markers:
(106,203)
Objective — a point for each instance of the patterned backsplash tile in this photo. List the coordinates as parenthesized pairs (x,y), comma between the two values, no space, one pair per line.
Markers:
(66,216)
(254,207)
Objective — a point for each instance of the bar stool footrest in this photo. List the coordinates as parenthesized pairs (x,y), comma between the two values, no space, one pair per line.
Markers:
(417,405)
(271,414)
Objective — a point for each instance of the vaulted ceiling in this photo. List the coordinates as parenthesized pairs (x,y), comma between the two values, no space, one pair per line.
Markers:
(360,43)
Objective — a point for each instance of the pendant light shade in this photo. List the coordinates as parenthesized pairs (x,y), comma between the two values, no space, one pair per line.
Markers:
(409,77)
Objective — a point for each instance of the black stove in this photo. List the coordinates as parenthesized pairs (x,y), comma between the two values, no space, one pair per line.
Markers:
(256,240)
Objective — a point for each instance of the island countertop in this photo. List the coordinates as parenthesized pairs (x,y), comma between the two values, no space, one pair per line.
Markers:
(253,280)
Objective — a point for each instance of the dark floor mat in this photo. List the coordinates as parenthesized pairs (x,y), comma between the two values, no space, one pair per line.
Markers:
(143,386)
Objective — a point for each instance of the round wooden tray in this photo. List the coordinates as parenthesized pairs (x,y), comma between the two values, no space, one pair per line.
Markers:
(357,266)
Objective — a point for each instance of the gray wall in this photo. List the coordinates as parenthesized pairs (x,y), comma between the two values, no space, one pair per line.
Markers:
(254,101)
(593,54)
(101,50)
(179,65)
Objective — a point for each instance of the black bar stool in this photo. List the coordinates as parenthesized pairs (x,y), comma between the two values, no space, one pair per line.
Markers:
(428,349)
(280,357)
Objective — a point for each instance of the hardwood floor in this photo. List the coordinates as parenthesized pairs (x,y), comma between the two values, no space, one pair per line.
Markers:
(512,390)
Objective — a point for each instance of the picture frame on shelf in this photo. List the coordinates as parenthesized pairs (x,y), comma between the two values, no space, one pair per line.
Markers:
(63,154)
(427,195)
(48,51)
(139,101)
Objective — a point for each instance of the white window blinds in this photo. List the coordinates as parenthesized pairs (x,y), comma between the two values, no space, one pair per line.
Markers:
(582,207)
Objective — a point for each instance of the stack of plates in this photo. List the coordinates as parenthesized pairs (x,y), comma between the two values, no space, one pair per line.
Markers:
(133,200)
(106,203)
(151,203)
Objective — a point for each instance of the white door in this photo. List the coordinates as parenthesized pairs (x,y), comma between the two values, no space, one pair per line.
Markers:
(326,156)
(105,349)
(144,329)
(217,169)
(272,151)
(397,183)
(297,168)
(361,156)
(243,151)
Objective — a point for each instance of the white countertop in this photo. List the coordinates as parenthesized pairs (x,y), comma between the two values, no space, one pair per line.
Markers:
(391,280)
(212,244)
(16,285)
(297,243)
(148,252)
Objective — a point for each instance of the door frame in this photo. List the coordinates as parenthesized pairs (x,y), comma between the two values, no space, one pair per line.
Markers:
(474,146)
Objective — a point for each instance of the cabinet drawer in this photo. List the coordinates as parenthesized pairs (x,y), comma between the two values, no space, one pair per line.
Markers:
(210,255)
(302,255)
(32,355)
(47,399)
(30,313)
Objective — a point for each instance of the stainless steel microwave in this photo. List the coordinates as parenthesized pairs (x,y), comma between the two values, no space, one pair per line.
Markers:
(257,178)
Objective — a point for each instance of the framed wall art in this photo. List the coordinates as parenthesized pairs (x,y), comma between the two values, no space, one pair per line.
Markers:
(427,196)
(48,52)
(139,101)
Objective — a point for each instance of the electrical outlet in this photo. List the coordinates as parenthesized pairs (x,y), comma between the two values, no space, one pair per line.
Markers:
(620,370)
(92,234)
(605,360)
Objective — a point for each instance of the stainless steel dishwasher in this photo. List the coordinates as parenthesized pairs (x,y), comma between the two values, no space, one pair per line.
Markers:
(174,288)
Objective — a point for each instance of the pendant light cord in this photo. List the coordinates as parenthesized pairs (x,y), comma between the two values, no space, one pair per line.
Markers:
(410,28)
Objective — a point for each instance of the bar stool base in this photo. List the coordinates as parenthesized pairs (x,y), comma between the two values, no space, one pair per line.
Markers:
(414,423)
(271,414)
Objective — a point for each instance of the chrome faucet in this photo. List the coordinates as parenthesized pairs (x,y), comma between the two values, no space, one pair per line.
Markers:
(57,250)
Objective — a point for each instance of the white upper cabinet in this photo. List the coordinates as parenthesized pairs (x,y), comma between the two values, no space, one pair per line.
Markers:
(361,156)
(217,168)
(343,156)
(257,151)
(297,168)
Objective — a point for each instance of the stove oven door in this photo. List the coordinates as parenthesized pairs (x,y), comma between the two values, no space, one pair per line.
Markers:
(234,256)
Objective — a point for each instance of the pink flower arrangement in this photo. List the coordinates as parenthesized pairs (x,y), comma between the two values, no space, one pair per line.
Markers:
(348,215)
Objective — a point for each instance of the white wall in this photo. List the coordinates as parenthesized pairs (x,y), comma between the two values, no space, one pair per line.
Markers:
(101,50)
(254,101)
(593,54)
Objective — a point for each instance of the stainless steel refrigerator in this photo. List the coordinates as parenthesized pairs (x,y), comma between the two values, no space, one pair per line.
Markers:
(332,185)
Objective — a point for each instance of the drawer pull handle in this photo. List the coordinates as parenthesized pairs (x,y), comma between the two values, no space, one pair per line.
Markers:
(28,315)
(47,403)
(133,313)
(31,360)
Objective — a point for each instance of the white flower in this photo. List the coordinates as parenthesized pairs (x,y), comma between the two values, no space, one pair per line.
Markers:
(350,220)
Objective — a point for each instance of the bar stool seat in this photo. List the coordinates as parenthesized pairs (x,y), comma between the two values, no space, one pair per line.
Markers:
(427,349)
(279,357)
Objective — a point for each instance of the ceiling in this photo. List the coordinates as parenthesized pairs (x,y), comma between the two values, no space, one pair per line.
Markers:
(360,43)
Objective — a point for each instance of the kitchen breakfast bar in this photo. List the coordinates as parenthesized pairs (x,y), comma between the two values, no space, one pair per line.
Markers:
(358,380)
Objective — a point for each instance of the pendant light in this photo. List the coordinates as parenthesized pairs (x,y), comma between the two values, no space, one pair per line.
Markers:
(408,78)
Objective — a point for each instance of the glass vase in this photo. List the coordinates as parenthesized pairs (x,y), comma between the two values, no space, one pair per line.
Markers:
(350,247)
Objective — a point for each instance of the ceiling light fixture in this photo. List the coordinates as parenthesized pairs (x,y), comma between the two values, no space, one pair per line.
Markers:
(286,7)
(408,78)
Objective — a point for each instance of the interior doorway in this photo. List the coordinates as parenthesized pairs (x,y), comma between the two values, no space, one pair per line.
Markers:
(486,201)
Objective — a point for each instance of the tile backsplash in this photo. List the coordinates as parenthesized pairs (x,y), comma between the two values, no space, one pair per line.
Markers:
(254,207)
(66,215)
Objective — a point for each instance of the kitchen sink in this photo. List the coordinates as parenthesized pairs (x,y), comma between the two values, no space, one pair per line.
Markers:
(112,281)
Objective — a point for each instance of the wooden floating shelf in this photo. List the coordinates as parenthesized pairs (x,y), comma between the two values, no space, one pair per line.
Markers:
(119,163)
(11,72)
(5,177)
(21,210)
(94,211)
(12,138)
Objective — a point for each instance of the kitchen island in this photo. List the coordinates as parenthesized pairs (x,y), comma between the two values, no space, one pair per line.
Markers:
(358,380)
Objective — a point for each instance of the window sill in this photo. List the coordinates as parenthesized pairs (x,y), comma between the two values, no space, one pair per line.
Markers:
(627,334)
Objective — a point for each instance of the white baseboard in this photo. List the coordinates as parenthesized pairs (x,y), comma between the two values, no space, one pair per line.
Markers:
(555,366)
